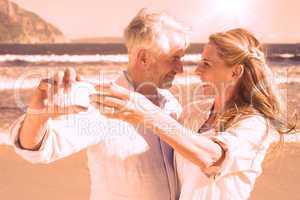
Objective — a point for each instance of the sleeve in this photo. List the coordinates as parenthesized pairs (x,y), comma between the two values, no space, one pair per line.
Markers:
(65,136)
(172,106)
(241,143)
(195,113)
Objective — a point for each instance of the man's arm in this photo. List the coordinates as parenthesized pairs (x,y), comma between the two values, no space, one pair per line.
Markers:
(38,113)
(31,131)
(39,138)
(45,134)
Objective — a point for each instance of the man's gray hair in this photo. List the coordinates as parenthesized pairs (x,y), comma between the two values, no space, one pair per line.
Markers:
(157,31)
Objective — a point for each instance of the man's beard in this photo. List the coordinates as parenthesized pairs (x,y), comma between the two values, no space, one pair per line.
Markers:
(167,82)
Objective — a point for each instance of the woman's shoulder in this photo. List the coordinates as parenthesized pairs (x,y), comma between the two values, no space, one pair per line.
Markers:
(253,120)
(253,126)
(247,115)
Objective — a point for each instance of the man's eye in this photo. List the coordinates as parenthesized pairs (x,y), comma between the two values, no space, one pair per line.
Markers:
(176,58)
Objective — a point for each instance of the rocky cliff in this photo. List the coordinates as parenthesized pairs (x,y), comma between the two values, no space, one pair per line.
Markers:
(18,25)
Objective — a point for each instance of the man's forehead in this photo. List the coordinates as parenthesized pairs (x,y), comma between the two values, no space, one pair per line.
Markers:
(173,52)
(174,42)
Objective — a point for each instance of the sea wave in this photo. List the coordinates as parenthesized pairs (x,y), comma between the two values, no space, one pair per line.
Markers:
(64,58)
(4,139)
(96,58)
(117,58)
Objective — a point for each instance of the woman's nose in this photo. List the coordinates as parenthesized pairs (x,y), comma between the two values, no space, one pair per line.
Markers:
(198,68)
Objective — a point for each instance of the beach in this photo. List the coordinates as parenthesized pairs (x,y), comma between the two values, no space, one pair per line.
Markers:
(69,178)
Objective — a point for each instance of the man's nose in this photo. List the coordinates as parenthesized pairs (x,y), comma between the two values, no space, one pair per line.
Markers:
(179,68)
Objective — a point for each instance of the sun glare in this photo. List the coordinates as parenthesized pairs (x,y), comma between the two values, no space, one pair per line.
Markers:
(231,6)
(233,9)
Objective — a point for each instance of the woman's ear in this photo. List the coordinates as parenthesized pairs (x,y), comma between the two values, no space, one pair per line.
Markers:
(237,72)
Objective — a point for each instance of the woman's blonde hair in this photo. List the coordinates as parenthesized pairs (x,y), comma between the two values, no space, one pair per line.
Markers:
(257,92)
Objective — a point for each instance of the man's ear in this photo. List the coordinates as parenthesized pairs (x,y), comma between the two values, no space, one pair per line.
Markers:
(142,59)
(237,72)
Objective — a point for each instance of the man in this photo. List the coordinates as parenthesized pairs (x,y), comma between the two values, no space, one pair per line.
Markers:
(125,162)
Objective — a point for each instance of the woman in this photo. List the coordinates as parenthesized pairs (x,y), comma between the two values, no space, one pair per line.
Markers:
(223,159)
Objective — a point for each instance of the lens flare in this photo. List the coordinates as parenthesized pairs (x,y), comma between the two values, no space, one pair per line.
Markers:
(234,10)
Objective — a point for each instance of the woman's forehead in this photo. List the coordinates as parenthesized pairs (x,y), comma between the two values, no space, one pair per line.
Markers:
(210,53)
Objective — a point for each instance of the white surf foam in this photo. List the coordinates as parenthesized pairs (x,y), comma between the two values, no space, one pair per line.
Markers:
(4,139)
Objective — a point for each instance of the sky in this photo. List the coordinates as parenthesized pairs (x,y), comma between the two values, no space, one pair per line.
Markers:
(274,21)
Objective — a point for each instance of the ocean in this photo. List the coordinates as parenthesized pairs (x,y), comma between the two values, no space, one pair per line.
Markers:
(22,67)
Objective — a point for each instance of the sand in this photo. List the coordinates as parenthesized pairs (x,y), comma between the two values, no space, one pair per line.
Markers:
(69,178)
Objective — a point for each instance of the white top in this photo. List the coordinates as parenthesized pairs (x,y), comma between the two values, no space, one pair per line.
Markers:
(245,144)
(126,162)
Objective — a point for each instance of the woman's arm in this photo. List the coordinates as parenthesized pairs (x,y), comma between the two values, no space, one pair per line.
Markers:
(136,108)
(199,149)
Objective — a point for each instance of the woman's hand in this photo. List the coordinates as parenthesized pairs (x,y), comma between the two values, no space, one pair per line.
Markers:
(45,97)
(118,102)
(42,106)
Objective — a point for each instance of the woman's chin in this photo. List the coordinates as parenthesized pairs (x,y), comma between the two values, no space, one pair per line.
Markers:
(207,89)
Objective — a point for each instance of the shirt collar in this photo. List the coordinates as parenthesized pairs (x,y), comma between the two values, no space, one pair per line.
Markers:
(125,81)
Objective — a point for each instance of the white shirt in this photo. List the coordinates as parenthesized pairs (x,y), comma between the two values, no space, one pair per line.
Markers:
(245,144)
(125,161)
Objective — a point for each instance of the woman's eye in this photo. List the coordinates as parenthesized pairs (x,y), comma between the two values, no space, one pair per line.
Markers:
(205,64)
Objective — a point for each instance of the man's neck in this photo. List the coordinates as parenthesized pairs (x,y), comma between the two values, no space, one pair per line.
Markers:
(150,92)
(141,86)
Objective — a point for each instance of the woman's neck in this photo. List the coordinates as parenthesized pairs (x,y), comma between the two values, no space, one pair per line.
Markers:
(223,99)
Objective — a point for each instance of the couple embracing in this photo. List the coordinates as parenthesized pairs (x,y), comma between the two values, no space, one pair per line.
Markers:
(146,149)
